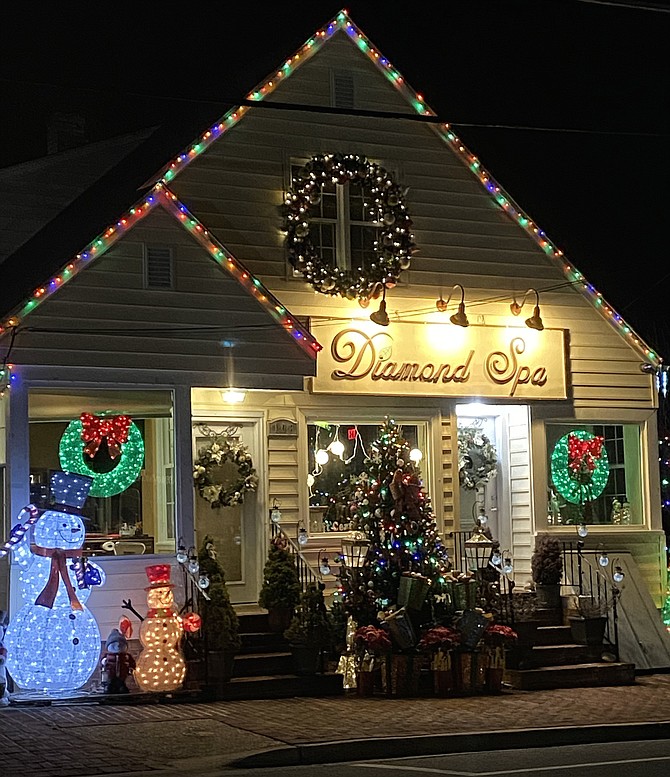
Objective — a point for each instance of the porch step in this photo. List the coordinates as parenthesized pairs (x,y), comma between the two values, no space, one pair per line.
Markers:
(259,664)
(571,676)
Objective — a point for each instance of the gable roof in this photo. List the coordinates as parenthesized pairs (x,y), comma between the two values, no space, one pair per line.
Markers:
(341,22)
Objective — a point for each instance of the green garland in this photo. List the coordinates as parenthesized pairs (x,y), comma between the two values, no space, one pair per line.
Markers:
(385,204)
(220,450)
(477,458)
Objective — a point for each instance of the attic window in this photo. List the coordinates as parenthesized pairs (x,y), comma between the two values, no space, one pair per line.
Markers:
(342,90)
(158,271)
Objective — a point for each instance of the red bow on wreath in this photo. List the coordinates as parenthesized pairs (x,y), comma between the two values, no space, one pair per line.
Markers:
(112,428)
(583,454)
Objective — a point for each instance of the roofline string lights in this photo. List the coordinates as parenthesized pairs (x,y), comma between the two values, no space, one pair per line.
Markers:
(97,247)
(101,244)
(239,272)
(342,22)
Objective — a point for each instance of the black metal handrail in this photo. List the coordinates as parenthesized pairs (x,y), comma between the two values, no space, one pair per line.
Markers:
(580,570)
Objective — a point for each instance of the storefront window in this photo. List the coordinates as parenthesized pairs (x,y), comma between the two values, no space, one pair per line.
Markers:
(125,442)
(337,457)
(594,474)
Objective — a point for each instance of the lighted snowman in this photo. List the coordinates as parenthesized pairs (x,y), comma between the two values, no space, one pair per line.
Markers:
(53,641)
(161,665)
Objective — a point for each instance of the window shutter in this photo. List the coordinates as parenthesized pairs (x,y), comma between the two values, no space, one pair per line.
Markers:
(158,267)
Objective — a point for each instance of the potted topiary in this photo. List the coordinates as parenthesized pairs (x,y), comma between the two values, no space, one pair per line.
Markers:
(547,571)
(310,633)
(220,624)
(281,589)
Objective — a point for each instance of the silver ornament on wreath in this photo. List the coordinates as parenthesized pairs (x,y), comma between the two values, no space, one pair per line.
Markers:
(384,201)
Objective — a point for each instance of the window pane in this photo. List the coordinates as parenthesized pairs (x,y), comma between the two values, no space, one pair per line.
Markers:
(594,474)
(331,487)
(362,246)
(133,491)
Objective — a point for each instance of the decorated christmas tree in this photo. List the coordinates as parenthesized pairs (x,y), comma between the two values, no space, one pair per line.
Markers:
(392,510)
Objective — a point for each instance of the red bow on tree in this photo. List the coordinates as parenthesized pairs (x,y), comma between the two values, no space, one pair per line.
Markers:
(112,428)
(583,454)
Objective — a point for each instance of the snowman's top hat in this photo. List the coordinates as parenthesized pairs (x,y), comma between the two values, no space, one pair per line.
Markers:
(159,576)
(70,488)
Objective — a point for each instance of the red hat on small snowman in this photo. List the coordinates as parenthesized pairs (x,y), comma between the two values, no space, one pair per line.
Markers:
(159,576)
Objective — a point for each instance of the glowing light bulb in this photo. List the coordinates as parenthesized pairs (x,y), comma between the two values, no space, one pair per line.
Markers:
(182,556)
(321,457)
(310,480)
(324,568)
(603,560)
(203,581)
(275,515)
(336,447)
(582,530)
(415,455)
(496,558)
(302,537)
(618,575)
(507,566)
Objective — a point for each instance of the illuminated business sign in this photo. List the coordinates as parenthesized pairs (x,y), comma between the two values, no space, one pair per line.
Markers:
(434,359)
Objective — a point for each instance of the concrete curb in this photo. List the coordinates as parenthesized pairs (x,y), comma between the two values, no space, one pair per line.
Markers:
(438,744)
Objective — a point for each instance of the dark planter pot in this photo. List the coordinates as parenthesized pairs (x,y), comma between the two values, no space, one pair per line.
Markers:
(588,631)
(219,670)
(548,596)
(279,619)
(306,659)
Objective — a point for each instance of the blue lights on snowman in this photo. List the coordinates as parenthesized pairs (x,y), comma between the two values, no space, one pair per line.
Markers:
(53,641)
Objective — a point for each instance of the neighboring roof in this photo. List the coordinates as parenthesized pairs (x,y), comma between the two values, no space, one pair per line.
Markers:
(30,272)
(35,192)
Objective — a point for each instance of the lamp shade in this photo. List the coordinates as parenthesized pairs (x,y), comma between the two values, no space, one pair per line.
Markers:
(354,551)
(478,548)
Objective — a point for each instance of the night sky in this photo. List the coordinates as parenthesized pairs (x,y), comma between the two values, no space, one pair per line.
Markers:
(565,102)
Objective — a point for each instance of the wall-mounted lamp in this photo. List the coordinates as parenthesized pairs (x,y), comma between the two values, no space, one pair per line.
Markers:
(535,321)
(380,316)
(459,318)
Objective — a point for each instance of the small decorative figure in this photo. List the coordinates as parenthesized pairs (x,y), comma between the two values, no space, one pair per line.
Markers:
(117,663)
(626,515)
(616,512)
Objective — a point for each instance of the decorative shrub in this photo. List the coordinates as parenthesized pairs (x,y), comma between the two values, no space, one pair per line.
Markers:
(220,624)
(281,584)
(547,560)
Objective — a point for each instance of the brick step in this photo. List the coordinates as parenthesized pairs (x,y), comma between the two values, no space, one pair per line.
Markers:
(571,654)
(262,664)
(571,676)
(553,635)
(262,642)
(281,686)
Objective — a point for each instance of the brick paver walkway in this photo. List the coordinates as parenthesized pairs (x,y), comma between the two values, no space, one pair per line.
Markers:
(188,738)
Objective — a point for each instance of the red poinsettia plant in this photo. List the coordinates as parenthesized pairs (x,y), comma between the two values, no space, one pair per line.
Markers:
(372,640)
(498,634)
(439,638)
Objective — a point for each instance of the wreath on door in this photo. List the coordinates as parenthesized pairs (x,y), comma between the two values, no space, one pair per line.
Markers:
(223,448)
(477,458)
(384,201)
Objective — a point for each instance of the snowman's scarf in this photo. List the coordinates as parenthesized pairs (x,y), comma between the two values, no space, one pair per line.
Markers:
(58,569)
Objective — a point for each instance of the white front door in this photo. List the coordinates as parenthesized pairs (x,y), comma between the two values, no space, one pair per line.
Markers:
(237,530)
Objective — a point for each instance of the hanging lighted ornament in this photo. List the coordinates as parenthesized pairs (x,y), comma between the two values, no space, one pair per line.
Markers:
(53,642)
(302,536)
(321,457)
(81,449)
(161,665)
(182,554)
(275,513)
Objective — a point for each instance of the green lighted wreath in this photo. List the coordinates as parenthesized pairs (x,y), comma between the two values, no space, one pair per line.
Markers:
(579,485)
(117,480)
(385,207)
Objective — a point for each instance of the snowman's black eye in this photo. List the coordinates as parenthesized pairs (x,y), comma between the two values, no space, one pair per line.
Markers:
(64,525)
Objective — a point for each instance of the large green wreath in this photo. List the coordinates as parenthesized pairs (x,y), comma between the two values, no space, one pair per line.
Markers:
(583,485)
(385,204)
(117,480)
(222,449)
